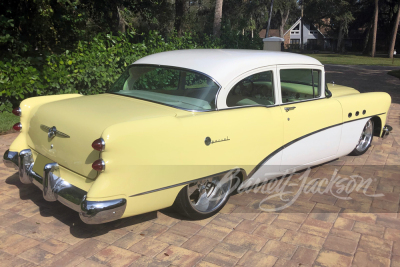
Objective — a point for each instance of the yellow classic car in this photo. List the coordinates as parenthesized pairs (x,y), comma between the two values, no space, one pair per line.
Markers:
(186,129)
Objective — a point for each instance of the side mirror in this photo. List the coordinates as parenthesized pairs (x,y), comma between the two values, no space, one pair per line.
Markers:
(328,94)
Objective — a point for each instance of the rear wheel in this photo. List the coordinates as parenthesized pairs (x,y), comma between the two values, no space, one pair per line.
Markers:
(365,139)
(204,198)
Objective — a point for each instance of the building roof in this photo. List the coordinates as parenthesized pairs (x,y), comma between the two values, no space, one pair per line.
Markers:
(271,33)
(225,64)
(296,23)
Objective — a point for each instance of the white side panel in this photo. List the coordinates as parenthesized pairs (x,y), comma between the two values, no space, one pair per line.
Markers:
(315,147)
(267,171)
(310,151)
(350,136)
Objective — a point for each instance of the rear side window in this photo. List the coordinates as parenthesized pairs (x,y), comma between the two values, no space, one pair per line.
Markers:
(300,84)
(254,90)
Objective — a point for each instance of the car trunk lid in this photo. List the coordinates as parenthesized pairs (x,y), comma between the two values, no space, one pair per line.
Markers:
(80,121)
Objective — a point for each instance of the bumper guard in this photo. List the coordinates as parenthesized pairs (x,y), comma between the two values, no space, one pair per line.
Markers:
(55,188)
(386,131)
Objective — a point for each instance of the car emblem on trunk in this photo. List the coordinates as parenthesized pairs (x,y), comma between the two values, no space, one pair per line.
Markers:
(52,132)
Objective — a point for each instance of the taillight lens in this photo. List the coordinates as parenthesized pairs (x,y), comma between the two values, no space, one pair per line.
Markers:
(17,126)
(17,111)
(99,165)
(99,144)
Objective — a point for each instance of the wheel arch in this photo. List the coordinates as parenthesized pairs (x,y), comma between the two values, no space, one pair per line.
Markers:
(377,125)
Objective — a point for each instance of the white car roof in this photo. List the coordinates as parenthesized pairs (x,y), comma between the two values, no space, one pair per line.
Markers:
(223,65)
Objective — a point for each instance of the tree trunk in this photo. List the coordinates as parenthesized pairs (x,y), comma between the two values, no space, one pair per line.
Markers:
(340,39)
(179,14)
(217,18)
(394,34)
(367,39)
(375,28)
(121,21)
(284,18)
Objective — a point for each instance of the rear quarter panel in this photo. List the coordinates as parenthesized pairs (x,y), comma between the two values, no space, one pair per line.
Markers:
(154,153)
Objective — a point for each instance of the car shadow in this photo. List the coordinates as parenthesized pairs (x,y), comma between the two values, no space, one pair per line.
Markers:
(68,217)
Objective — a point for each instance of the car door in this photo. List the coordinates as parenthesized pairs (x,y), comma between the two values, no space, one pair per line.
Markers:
(257,91)
(312,123)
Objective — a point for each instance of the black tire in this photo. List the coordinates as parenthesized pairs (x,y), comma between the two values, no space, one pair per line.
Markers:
(366,137)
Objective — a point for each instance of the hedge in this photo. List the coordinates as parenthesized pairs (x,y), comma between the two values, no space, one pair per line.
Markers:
(90,69)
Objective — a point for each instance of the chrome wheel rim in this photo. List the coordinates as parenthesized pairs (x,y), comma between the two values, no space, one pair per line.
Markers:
(366,137)
(209,194)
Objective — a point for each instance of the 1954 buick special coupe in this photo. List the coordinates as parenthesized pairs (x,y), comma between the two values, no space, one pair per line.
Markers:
(176,123)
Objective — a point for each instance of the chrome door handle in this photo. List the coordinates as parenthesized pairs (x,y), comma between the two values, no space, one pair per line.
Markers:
(289,108)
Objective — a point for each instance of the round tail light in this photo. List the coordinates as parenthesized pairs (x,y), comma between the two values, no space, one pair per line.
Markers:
(17,126)
(99,144)
(99,165)
(17,111)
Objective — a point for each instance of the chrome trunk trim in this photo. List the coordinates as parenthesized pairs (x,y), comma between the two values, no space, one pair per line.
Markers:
(57,189)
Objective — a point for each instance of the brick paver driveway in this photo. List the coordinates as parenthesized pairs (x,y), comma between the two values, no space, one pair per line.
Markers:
(318,229)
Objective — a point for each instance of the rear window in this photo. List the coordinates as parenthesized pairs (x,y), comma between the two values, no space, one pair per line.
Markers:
(181,88)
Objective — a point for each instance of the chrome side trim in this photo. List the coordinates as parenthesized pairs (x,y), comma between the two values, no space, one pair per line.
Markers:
(10,159)
(55,188)
(243,172)
(386,131)
(95,212)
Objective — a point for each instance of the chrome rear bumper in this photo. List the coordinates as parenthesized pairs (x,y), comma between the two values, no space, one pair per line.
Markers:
(386,131)
(55,188)
(10,159)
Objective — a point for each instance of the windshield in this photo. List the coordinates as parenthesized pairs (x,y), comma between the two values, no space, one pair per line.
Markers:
(180,88)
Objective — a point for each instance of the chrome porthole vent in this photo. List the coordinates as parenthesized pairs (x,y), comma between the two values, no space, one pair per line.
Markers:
(357,113)
(350,115)
(364,111)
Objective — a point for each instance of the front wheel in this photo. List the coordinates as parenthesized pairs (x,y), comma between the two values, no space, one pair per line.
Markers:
(365,139)
(204,198)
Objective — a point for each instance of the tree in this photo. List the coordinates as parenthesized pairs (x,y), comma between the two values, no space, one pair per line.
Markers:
(217,18)
(375,29)
(394,33)
(339,13)
(180,11)
(284,8)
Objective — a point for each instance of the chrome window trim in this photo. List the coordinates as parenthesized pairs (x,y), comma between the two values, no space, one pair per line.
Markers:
(321,68)
(242,76)
(177,68)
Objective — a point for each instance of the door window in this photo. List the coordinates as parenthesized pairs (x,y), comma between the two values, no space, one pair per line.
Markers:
(300,84)
(254,90)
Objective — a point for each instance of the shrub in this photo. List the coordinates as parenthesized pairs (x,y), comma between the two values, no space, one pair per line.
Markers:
(91,68)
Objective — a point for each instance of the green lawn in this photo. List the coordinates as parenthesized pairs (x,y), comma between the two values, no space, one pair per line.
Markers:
(7,120)
(349,59)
